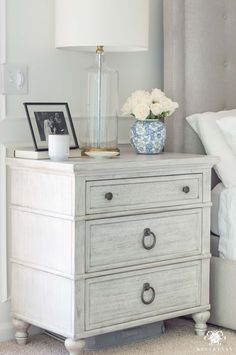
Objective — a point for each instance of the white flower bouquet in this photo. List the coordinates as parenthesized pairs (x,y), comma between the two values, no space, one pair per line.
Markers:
(144,105)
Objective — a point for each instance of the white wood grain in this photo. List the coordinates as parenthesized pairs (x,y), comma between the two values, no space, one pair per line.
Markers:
(127,161)
(117,242)
(115,327)
(42,240)
(112,214)
(44,191)
(79,250)
(206,182)
(43,297)
(205,277)
(141,321)
(133,194)
(80,196)
(79,303)
(113,300)
(78,265)
(78,276)
(206,225)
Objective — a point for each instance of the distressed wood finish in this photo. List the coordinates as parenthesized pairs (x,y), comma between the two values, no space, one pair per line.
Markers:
(43,296)
(117,242)
(32,234)
(42,190)
(131,194)
(78,260)
(117,299)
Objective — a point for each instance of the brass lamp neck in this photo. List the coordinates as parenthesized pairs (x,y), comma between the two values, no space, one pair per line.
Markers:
(100,50)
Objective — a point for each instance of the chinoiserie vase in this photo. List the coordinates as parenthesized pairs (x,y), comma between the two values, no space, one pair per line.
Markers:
(148,136)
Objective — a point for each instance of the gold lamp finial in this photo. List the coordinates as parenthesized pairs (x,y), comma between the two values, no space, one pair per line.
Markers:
(100,49)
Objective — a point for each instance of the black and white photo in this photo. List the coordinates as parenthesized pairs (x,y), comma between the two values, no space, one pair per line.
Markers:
(49,118)
(50,123)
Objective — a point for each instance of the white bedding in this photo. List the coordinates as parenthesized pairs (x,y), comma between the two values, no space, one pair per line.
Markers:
(214,142)
(217,131)
(215,199)
(226,198)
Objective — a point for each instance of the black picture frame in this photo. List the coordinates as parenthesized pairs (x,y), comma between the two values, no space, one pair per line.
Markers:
(54,117)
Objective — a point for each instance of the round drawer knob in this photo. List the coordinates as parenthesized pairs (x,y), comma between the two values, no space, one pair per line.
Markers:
(186,189)
(147,233)
(148,294)
(109,196)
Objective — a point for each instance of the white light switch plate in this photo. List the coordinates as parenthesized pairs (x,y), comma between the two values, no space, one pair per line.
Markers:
(14,79)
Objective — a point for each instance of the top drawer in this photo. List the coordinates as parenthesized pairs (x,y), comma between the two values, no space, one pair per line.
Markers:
(142,193)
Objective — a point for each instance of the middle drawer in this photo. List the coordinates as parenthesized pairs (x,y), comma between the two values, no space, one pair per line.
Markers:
(119,242)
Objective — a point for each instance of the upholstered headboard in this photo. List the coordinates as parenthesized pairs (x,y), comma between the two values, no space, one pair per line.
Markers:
(200,63)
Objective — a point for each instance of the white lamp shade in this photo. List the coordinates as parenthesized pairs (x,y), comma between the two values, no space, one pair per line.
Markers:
(118,25)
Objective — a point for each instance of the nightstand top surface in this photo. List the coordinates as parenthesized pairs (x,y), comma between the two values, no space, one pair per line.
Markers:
(128,159)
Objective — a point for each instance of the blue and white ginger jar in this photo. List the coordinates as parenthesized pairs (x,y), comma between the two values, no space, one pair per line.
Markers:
(148,136)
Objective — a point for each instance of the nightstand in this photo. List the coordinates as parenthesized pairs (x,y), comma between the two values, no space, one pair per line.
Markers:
(99,246)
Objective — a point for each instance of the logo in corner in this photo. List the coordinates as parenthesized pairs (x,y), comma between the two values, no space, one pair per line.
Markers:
(215,337)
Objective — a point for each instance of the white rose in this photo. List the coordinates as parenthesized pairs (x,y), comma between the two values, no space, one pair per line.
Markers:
(157,95)
(141,111)
(127,107)
(167,105)
(175,105)
(141,97)
(141,102)
(156,109)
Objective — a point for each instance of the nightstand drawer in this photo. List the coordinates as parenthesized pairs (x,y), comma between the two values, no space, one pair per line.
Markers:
(126,241)
(129,296)
(142,193)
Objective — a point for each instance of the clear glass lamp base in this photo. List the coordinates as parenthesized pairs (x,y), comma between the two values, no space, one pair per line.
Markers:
(100,153)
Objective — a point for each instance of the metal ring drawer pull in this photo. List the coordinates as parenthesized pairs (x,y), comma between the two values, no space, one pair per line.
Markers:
(109,196)
(147,287)
(147,233)
(186,189)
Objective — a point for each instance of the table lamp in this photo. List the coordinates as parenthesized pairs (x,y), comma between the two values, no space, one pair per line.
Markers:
(102,25)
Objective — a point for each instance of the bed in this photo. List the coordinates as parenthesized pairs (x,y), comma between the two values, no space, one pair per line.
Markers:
(200,74)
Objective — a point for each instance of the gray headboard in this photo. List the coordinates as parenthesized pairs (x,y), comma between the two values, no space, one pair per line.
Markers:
(200,63)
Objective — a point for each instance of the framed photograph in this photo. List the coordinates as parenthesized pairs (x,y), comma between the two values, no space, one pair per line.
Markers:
(49,118)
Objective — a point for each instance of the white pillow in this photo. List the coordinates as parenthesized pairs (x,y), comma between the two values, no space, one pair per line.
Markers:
(214,143)
(192,120)
(227,126)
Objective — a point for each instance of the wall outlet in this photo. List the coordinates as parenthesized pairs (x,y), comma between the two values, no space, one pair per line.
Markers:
(14,79)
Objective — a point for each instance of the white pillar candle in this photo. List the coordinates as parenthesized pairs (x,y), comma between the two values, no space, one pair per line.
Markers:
(58,146)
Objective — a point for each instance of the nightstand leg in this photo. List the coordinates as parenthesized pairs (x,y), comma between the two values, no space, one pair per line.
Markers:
(75,347)
(21,334)
(200,320)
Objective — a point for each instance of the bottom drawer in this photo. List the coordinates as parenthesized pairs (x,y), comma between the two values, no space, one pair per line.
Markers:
(134,295)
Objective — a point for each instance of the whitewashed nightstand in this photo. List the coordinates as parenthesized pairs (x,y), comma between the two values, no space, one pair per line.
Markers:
(99,246)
